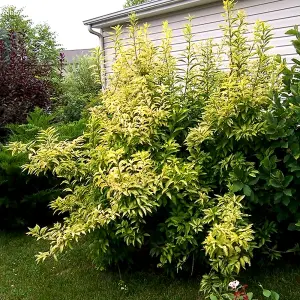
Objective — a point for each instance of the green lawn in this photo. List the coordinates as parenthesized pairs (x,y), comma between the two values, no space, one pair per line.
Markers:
(73,277)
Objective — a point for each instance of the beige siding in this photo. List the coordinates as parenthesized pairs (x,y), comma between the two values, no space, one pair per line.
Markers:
(280,14)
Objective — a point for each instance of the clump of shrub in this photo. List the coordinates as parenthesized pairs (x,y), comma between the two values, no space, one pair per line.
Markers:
(35,93)
(195,167)
(24,198)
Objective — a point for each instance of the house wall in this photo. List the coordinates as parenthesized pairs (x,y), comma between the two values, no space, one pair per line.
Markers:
(280,14)
(71,55)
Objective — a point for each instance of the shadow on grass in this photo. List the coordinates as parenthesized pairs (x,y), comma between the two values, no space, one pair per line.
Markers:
(73,277)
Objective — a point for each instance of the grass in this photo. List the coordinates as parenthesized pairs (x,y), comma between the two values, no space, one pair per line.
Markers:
(73,277)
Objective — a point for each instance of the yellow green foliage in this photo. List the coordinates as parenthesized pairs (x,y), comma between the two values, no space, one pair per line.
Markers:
(169,164)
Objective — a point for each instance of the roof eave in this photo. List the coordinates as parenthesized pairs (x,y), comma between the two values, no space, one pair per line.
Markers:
(146,10)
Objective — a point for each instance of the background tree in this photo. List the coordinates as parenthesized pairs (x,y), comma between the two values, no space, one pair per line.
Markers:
(29,66)
(40,42)
(80,87)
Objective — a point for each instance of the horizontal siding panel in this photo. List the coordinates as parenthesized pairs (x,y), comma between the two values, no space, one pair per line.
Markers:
(255,11)
(251,7)
(286,52)
(178,45)
(213,13)
(288,59)
(278,32)
(203,32)
(280,14)
(288,7)
(281,46)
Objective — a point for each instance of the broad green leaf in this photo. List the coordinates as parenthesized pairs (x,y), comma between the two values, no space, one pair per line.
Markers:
(274,295)
(278,197)
(250,295)
(291,32)
(286,200)
(296,61)
(267,293)
(237,186)
(254,181)
(275,183)
(247,190)
(287,180)
(288,192)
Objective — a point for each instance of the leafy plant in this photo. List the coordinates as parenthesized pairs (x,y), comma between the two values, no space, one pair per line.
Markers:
(240,293)
(24,198)
(189,167)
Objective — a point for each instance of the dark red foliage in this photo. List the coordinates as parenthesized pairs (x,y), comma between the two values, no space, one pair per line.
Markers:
(24,82)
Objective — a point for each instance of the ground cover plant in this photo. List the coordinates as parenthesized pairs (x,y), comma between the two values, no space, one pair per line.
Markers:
(187,169)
